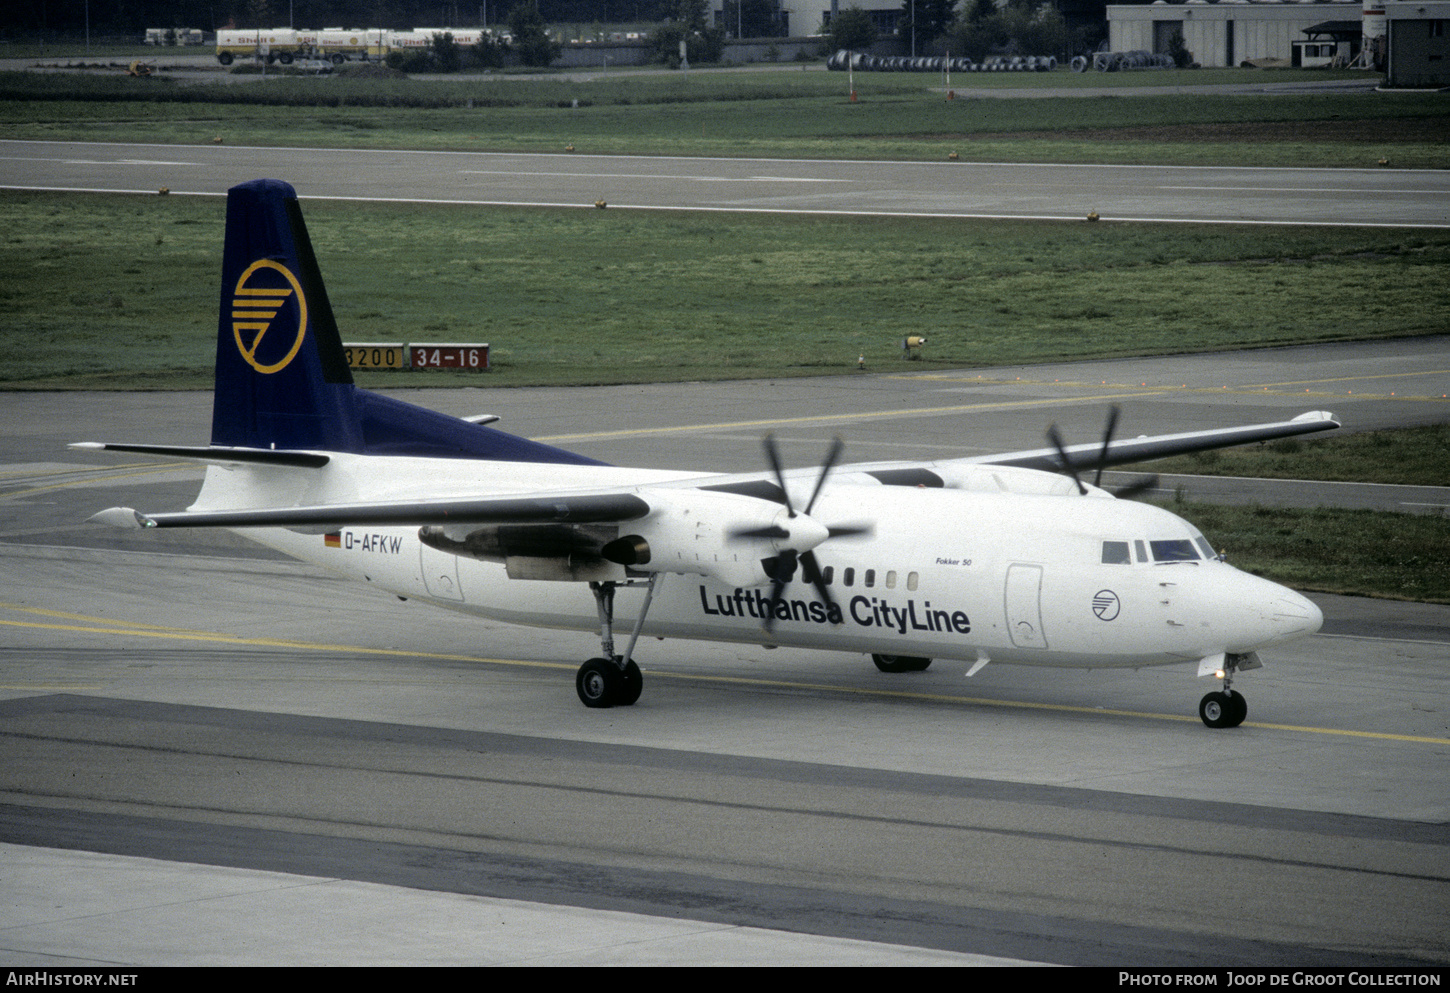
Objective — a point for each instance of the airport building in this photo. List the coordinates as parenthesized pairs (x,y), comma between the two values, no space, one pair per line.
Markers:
(1236,31)
(1418,53)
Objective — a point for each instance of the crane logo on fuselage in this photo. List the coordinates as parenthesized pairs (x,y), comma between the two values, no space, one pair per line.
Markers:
(259,304)
(1106,605)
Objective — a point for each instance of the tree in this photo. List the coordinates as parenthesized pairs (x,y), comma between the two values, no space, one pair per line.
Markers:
(1017,28)
(690,24)
(531,40)
(1182,57)
(851,29)
(926,20)
(445,52)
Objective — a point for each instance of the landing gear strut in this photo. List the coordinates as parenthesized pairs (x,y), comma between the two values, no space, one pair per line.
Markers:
(1225,708)
(614,680)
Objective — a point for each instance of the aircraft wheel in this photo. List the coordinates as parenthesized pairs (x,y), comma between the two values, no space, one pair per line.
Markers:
(631,686)
(900,663)
(1223,710)
(600,683)
(1240,707)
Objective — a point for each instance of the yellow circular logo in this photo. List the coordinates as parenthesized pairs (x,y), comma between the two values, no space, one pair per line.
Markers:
(256,307)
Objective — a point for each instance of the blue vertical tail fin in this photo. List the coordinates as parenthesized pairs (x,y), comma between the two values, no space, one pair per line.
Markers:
(282,379)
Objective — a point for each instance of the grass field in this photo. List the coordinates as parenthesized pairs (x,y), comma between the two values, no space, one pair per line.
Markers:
(787,113)
(1329,550)
(1412,456)
(121,291)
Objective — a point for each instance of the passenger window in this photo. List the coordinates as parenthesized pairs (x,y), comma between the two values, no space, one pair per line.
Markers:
(870,578)
(827,574)
(1178,550)
(849,578)
(1116,553)
(891,579)
(911,581)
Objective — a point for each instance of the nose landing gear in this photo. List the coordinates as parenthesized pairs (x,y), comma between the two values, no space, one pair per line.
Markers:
(1227,708)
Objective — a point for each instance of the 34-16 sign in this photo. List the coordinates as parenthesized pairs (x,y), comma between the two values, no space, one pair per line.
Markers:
(448,356)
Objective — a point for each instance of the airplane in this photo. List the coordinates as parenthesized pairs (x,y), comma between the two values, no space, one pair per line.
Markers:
(1011,558)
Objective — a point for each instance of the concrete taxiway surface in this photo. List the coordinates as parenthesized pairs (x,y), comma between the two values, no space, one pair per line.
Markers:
(201,745)
(1218,194)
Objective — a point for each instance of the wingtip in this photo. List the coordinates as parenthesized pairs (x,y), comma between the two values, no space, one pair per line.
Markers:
(123,517)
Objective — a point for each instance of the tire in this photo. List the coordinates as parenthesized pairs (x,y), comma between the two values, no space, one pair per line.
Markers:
(225,58)
(631,686)
(1218,710)
(900,663)
(599,683)
(1240,707)
(339,59)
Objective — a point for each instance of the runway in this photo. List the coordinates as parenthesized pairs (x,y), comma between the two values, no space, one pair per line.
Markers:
(1209,195)
(204,745)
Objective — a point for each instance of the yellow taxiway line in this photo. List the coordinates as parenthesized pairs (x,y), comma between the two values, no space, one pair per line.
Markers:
(97,625)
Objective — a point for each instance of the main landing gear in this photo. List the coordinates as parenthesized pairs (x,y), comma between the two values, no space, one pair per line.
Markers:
(614,680)
(900,663)
(1227,708)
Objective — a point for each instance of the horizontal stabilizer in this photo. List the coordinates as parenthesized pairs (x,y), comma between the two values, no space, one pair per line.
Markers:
(215,454)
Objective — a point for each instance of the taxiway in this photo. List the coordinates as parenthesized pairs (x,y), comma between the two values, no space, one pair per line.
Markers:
(201,744)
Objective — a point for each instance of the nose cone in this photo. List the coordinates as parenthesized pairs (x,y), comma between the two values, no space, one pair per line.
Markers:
(1294,616)
(1268,614)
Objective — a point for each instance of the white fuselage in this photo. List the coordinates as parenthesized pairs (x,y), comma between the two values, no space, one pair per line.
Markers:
(989,572)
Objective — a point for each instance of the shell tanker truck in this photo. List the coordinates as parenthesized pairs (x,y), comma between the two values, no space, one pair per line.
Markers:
(337,45)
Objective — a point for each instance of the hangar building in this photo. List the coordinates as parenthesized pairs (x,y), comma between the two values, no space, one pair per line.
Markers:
(1419,44)
(1222,34)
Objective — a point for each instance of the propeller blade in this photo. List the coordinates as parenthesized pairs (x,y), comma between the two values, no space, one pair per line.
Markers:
(837,445)
(1137,488)
(1055,436)
(811,569)
(772,455)
(783,571)
(769,531)
(849,530)
(1108,430)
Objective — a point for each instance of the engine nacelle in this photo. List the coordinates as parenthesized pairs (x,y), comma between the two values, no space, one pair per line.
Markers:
(700,532)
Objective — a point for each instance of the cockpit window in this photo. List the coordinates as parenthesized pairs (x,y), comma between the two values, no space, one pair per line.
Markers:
(1177,550)
(1206,548)
(1116,553)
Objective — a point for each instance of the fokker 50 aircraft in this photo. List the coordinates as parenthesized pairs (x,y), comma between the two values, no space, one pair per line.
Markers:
(1006,558)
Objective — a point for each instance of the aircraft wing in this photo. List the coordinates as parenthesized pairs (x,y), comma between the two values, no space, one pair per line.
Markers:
(1143,448)
(1093,454)
(572,508)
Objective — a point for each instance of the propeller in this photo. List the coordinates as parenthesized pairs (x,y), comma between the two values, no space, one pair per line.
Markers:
(1134,489)
(804,530)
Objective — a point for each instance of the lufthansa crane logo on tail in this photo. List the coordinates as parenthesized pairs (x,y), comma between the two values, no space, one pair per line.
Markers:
(269,316)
